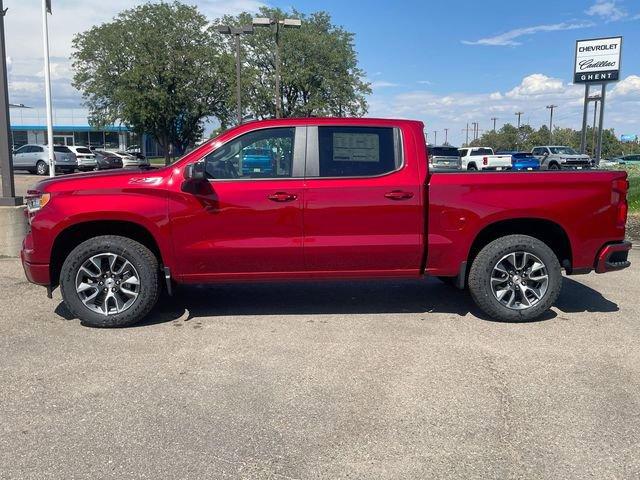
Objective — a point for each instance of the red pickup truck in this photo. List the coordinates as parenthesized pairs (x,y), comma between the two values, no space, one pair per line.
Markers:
(341,199)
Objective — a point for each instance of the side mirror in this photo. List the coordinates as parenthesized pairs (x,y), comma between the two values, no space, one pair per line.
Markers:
(194,171)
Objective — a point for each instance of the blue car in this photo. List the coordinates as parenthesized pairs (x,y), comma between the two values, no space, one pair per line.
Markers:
(257,162)
(524,161)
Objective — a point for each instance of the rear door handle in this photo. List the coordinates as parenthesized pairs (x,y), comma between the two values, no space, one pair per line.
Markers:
(399,195)
(282,197)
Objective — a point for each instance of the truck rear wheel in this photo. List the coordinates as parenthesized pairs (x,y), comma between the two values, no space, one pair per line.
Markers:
(110,281)
(515,278)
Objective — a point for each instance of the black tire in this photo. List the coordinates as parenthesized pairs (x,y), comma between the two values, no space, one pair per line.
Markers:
(42,168)
(482,269)
(554,166)
(142,259)
(472,167)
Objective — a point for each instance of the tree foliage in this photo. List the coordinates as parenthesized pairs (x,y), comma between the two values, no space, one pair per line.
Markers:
(320,75)
(158,68)
(510,138)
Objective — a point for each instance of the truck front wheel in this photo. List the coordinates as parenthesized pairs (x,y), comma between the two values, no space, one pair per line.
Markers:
(110,281)
(515,278)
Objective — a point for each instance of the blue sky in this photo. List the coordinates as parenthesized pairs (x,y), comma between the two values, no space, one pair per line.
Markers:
(445,63)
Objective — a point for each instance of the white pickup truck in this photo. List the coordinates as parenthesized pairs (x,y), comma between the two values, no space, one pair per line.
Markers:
(483,158)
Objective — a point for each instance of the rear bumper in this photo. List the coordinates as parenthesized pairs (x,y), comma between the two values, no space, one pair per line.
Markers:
(613,257)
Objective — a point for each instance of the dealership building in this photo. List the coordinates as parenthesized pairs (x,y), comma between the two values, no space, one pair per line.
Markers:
(71,127)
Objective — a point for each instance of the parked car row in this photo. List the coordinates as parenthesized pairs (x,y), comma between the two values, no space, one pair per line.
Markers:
(551,157)
(67,159)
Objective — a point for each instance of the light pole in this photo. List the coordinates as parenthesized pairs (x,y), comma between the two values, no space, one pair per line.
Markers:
(46,9)
(236,32)
(435,137)
(446,136)
(277,23)
(551,107)
(494,123)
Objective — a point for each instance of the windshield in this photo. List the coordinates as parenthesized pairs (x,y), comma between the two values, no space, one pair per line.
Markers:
(83,150)
(482,151)
(61,149)
(443,151)
(562,151)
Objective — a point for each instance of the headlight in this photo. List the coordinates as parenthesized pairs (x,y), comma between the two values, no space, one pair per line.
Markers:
(36,201)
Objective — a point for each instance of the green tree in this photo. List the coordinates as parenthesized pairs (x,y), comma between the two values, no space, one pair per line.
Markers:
(157,68)
(320,75)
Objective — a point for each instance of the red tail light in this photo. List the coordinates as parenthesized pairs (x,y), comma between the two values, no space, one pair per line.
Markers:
(485,160)
(620,187)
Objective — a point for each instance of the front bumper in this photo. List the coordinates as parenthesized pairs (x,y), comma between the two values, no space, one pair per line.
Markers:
(613,257)
(37,273)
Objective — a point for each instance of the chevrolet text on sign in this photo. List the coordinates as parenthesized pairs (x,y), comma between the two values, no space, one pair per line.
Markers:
(597,60)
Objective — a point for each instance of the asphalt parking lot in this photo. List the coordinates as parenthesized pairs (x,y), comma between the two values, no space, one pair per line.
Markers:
(395,379)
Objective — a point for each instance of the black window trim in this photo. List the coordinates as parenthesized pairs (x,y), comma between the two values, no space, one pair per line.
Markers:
(312,170)
(298,161)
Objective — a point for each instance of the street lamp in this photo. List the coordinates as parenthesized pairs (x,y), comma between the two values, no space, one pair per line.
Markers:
(286,23)
(237,31)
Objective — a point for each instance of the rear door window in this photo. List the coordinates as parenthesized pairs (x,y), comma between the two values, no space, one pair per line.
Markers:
(358,151)
(61,149)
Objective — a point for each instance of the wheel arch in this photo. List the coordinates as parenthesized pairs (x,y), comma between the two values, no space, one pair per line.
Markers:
(547,231)
(75,234)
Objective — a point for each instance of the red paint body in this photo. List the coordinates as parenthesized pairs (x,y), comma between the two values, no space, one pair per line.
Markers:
(402,224)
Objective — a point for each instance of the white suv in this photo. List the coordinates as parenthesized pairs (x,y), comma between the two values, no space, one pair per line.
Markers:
(86,158)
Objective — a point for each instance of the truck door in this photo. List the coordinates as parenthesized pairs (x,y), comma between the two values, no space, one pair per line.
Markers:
(363,207)
(245,221)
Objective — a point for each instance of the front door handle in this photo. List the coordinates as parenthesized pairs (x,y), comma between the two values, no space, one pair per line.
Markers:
(282,197)
(399,195)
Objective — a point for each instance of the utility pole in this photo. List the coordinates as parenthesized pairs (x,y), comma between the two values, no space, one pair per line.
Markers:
(475,130)
(435,137)
(236,32)
(446,136)
(277,23)
(519,114)
(494,124)
(6,152)
(551,107)
(467,142)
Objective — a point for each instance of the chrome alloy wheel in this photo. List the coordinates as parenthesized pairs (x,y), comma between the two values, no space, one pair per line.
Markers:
(107,283)
(519,280)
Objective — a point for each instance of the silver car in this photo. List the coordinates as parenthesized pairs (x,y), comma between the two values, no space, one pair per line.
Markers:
(443,158)
(35,159)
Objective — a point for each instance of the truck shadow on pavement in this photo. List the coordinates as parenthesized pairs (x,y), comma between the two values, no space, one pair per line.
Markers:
(336,298)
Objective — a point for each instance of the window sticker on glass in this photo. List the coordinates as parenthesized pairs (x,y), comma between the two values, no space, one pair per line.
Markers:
(356,147)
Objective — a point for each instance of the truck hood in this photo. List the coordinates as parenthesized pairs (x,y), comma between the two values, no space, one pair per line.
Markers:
(103,180)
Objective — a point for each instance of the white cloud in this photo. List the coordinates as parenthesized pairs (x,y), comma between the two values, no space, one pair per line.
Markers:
(536,84)
(383,84)
(608,10)
(531,96)
(629,87)
(509,38)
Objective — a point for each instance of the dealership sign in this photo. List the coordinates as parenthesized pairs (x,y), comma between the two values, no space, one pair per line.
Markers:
(597,60)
